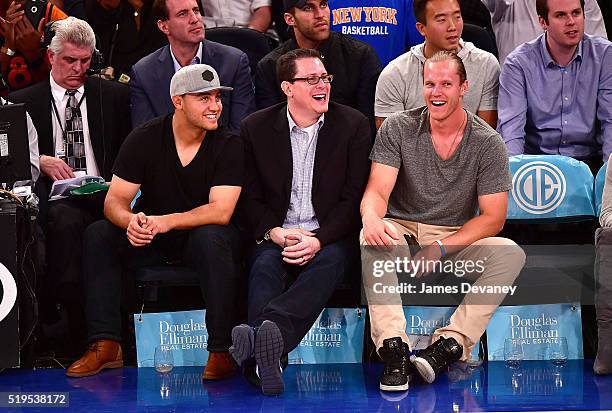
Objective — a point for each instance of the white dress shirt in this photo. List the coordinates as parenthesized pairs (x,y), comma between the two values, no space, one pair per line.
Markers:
(198,55)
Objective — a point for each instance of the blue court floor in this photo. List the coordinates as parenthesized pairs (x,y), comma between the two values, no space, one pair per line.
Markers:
(534,386)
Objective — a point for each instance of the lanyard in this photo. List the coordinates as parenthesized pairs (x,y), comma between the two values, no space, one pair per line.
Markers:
(59,120)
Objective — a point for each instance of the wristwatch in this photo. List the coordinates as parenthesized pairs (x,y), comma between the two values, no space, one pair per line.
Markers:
(266,237)
(7,51)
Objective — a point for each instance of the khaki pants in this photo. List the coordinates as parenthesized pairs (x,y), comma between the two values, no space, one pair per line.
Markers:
(504,261)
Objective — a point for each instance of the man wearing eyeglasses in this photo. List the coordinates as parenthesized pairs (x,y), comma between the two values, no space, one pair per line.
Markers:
(355,63)
(306,166)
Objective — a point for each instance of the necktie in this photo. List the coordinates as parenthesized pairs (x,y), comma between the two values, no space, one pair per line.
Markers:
(75,141)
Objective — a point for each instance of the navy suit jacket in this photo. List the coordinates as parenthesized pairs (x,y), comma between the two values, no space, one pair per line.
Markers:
(151,75)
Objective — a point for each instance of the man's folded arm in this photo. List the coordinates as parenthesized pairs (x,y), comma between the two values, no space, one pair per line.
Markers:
(380,185)
(117,207)
(487,109)
(222,201)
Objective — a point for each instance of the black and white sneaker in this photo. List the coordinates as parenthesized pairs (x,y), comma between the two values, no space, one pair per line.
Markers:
(398,370)
(243,343)
(431,361)
(268,352)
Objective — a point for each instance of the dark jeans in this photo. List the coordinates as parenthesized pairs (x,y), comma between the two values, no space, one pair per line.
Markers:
(293,296)
(67,221)
(211,250)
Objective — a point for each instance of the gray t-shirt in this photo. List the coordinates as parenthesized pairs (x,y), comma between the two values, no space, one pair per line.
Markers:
(400,85)
(433,191)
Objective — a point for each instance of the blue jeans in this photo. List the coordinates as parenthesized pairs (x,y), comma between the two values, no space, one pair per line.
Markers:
(293,296)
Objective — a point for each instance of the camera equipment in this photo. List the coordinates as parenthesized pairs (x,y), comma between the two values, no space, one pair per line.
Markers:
(35,11)
(14,150)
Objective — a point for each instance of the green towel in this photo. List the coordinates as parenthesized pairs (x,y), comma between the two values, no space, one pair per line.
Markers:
(89,187)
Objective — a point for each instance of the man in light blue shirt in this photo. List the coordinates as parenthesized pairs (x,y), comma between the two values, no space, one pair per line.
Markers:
(515,22)
(555,93)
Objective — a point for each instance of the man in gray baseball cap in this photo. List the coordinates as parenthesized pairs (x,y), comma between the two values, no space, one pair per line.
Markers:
(189,172)
(195,79)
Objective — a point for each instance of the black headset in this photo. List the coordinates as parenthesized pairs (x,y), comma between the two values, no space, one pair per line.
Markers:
(97,60)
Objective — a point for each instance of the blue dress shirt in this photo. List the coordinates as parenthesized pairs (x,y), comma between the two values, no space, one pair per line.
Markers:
(544,108)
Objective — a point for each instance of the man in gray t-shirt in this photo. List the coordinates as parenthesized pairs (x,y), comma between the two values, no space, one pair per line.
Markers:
(478,166)
(439,176)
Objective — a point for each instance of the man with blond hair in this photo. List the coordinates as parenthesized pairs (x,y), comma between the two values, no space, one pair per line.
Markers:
(433,168)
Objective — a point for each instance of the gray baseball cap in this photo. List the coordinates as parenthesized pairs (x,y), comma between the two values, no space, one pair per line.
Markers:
(195,79)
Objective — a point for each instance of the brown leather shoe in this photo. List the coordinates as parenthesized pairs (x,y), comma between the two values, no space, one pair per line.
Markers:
(219,366)
(102,354)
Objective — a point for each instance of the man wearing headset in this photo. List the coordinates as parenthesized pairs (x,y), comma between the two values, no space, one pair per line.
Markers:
(81,123)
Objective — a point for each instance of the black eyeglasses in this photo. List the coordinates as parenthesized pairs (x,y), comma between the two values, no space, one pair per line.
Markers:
(313,80)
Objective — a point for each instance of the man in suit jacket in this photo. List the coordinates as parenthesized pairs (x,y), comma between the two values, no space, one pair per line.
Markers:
(354,63)
(105,116)
(181,22)
(306,166)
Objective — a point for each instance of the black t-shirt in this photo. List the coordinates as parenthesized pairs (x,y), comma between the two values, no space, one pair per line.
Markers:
(148,157)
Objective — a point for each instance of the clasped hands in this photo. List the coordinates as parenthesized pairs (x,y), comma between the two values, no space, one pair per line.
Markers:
(301,247)
(143,228)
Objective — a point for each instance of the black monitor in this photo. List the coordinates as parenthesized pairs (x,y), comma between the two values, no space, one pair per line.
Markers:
(14,145)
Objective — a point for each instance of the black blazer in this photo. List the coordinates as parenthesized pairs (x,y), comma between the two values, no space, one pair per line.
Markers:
(340,173)
(114,114)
